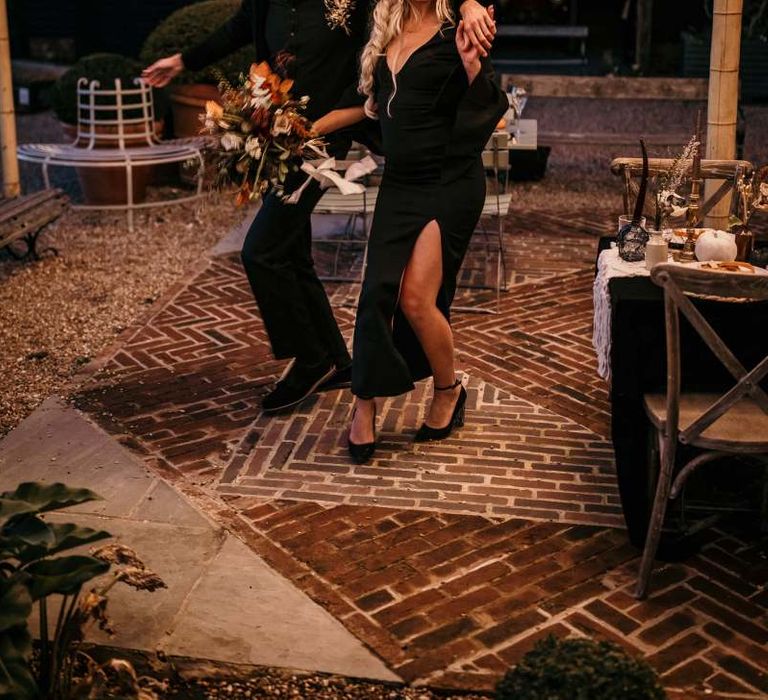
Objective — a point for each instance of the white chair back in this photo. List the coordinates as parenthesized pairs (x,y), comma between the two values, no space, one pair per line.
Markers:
(116,118)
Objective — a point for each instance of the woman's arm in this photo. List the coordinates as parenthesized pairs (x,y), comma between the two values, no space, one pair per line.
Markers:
(338,119)
(479,23)
(468,52)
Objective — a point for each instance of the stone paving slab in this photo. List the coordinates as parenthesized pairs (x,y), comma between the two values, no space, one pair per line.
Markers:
(223,603)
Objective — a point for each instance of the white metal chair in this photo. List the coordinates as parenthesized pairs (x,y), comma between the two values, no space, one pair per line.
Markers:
(115,129)
(497,204)
(358,209)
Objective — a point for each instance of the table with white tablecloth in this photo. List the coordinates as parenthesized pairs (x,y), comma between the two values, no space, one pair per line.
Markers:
(631,346)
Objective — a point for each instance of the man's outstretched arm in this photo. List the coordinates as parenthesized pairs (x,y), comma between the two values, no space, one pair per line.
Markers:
(235,32)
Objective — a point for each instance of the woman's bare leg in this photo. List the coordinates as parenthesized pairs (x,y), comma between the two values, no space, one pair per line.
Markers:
(362,430)
(421,283)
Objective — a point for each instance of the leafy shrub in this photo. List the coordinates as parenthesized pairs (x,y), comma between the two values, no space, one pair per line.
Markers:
(30,574)
(579,669)
(105,68)
(189,26)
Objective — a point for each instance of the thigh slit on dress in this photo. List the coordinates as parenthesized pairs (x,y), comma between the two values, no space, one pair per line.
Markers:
(395,357)
(433,172)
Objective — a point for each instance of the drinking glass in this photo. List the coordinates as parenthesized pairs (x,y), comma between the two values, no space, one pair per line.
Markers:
(625,219)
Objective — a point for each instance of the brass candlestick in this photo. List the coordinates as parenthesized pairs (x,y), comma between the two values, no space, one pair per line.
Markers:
(688,253)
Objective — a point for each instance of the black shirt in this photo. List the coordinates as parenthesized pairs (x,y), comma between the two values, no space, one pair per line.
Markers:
(278,26)
(324,61)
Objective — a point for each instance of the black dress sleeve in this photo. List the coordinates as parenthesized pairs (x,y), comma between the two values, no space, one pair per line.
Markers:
(230,36)
(482,106)
(445,61)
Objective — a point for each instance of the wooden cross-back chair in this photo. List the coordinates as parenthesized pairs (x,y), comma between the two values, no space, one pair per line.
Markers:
(732,423)
(725,170)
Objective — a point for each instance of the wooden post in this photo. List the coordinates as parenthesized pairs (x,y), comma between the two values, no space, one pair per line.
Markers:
(643,33)
(11,185)
(722,109)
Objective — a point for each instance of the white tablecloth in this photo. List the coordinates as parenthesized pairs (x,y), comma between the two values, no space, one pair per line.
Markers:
(609,265)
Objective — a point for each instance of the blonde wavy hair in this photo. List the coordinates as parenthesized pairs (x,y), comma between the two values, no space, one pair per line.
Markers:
(389,18)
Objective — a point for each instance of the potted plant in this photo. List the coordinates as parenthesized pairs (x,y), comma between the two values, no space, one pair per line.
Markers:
(179,32)
(754,49)
(579,668)
(104,185)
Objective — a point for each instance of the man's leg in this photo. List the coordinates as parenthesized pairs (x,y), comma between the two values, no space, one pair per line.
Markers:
(316,301)
(280,272)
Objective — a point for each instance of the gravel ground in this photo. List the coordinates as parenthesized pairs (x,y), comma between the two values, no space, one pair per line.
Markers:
(61,311)
(283,686)
(57,313)
(190,679)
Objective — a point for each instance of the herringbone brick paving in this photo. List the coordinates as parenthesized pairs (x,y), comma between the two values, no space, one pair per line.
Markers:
(448,560)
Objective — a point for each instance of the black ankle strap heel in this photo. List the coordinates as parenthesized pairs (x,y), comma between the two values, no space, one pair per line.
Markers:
(448,388)
(363,453)
(426,433)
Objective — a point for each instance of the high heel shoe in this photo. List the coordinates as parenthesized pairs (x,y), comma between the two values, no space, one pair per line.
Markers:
(362,453)
(426,433)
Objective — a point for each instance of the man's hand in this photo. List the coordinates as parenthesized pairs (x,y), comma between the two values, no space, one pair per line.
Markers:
(161,72)
(479,25)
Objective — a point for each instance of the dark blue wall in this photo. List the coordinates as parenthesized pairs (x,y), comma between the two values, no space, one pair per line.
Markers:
(118,26)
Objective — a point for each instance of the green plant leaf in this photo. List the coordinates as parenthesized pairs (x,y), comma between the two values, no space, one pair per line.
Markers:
(46,497)
(65,536)
(64,575)
(10,507)
(16,679)
(15,603)
(27,530)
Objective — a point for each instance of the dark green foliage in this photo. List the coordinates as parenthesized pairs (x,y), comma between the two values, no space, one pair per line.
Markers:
(105,68)
(579,669)
(189,26)
(29,573)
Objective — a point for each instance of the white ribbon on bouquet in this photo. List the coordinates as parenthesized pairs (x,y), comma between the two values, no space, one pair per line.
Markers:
(324,171)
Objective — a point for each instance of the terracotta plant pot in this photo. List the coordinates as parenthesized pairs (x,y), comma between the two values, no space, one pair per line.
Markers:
(108,185)
(188,104)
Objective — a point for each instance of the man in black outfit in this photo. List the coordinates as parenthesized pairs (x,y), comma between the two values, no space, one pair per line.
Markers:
(277,253)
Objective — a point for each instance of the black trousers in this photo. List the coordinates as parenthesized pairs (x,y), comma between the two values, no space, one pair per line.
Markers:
(277,257)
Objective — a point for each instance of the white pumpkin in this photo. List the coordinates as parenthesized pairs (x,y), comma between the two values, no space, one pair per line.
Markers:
(715,245)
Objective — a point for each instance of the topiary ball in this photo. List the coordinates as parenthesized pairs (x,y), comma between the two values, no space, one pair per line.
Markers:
(186,28)
(579,669)
(104,68)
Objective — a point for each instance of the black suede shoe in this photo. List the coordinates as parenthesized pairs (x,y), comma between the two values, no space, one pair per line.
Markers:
(298,383)
(340,379)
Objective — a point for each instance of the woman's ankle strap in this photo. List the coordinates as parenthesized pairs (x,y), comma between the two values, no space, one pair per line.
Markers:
(448,388)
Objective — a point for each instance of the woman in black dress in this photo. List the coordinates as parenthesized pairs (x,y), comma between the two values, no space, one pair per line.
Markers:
(438,105)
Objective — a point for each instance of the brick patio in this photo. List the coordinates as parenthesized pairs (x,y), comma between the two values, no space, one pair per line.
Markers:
(448,560)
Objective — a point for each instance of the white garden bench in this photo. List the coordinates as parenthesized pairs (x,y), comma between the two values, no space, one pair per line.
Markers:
(124,119)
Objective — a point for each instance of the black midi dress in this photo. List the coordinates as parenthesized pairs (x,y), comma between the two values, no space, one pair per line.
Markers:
(434,126)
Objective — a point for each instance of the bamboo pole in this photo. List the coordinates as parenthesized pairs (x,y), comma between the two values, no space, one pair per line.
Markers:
(722,109)
(11,184)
